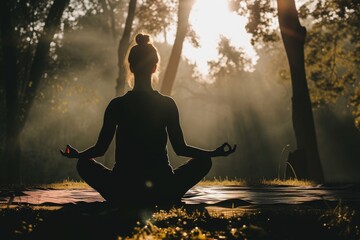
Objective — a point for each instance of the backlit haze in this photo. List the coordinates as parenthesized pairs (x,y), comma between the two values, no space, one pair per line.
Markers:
(251,108)
(211,19)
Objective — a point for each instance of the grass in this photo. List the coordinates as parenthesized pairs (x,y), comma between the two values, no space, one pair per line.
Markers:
(266,182)
(100,221)
(288,182)
(65,184)
(96,221)
(339,222)
(218,181)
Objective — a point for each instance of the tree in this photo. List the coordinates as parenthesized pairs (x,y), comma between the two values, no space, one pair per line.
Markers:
(20,91)
(123,47)
(184,10)
(306,156)
(331,46)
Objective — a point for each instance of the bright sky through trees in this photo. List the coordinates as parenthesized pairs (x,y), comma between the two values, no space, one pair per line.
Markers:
(211,19)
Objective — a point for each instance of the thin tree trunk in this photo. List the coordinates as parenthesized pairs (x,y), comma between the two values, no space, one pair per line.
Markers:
(306,156)
(182,28)
(110,12)
(123,47)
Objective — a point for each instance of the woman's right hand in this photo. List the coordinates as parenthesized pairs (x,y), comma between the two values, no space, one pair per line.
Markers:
(70,152)
(224,150)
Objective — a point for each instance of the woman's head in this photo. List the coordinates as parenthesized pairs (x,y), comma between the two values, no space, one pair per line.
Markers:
(143,57)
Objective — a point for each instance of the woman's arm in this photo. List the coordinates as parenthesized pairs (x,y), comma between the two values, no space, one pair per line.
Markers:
(179,145)
(99,148)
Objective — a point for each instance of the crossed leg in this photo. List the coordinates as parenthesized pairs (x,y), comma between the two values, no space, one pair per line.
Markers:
(97,176)
(185,177)
(189,174)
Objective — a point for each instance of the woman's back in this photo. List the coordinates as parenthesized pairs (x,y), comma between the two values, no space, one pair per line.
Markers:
(141,136)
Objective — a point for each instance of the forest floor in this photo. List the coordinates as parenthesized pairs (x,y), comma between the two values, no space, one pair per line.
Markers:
(214,209)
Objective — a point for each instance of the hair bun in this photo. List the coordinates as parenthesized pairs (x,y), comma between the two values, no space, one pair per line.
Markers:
(142,39)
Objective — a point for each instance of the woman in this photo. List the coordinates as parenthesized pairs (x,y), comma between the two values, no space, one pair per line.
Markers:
(143,120)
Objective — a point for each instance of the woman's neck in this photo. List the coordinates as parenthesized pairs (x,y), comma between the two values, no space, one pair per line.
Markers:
(142,83)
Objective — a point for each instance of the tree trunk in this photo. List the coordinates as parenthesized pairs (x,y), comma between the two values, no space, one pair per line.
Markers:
(123,47)
(10,78)
(18,104)
(182,28)
(105,4)
(306,157)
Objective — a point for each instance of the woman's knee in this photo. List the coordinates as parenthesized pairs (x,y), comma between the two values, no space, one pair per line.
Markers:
(95,175)
(83,167)
(194,170)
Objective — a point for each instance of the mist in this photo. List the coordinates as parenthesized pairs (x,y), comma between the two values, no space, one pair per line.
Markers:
(252,110)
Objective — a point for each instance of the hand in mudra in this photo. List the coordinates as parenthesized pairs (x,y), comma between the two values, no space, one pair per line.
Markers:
(224,150)
(70,152)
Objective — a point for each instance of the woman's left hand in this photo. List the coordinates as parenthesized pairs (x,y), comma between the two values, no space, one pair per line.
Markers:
(225,150)
(70,152)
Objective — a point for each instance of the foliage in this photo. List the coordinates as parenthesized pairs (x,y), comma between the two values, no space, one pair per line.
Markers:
(80,64)
(261,17)
(230,63)
(28,19)
(156,16)
(331,49)
(78,18)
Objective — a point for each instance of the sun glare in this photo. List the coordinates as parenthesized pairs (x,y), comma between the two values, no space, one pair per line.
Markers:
(211,19)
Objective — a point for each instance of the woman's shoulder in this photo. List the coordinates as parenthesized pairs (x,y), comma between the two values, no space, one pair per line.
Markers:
(116,102)
(167,99)
(163,96)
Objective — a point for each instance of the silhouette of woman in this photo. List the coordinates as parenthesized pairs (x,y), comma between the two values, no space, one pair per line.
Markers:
(143,120)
